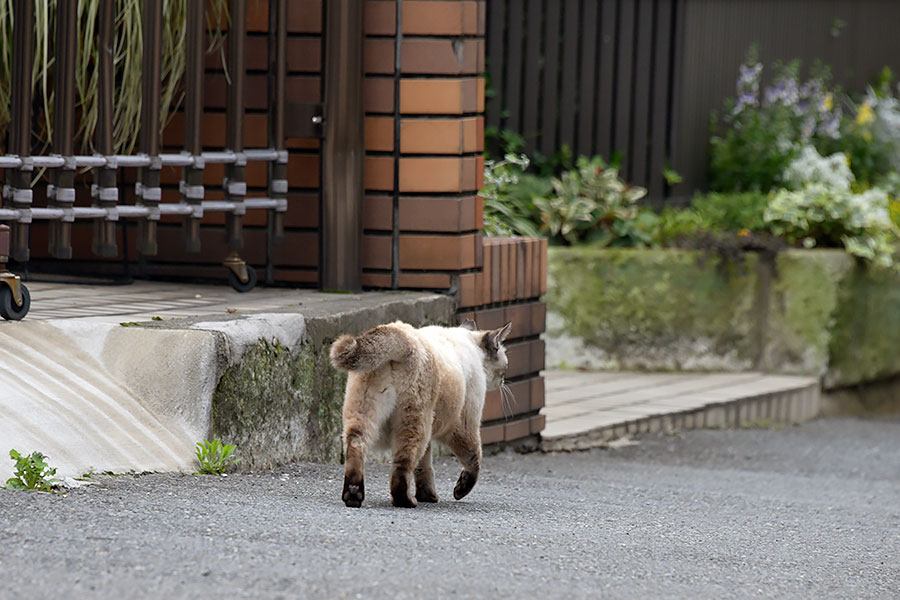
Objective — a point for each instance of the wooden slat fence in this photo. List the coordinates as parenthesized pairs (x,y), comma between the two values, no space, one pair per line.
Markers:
(592,74)
(640,78)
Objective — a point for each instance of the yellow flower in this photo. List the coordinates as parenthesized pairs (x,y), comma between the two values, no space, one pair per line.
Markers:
(829,101)
(865,114)
(744,233)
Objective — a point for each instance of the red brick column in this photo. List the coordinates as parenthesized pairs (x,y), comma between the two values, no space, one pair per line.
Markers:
(424,136)
(424,167)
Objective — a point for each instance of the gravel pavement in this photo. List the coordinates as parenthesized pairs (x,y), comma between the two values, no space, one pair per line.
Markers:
(804,512)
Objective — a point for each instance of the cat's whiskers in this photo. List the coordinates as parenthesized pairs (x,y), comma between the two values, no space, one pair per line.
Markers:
(507,399)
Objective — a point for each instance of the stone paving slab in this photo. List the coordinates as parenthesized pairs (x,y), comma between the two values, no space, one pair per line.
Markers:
(586,410)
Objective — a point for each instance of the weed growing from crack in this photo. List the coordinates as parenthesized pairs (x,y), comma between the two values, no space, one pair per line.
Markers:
(32,473)
(214,457)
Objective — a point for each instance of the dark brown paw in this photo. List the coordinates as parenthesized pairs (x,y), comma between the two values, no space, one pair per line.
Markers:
(404,501)
(426,495)
(353,493)
(465,484)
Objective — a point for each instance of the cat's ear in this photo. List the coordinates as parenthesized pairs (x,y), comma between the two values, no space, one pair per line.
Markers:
(503,332)
(493,339)
(469,324)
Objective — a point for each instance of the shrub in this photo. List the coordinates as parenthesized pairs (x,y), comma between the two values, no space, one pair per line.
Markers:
(761,131)
(509,194)
(819,216)
(589,204)
(731,212)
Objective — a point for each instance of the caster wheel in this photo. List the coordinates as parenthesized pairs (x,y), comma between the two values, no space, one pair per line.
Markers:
(243,287)
(9,310)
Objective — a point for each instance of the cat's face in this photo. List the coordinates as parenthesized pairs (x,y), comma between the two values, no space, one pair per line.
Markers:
(495,361)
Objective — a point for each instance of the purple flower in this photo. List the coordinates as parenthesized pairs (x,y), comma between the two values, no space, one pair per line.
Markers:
(831,127)
(748,76)
(784,91)
(744,100)
(808,128)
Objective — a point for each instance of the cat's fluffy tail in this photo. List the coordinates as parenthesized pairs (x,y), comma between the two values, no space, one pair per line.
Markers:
(370,350)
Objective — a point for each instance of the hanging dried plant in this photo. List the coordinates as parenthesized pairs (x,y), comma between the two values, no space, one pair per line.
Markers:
(127,67)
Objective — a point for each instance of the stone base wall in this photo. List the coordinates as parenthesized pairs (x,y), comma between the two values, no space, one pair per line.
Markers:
(815,312)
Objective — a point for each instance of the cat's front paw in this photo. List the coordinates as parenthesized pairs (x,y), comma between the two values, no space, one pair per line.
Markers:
(353,493)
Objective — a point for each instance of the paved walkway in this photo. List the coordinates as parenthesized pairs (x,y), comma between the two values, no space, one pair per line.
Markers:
(586,409)
(809,512)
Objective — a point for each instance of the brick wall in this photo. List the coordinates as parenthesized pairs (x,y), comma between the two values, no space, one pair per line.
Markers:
(508,288)
(424,137)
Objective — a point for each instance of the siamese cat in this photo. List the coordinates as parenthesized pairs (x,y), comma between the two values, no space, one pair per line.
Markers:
(408,386)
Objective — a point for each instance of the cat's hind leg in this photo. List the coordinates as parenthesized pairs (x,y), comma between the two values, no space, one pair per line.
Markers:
(465,443)
(367,405)
(424,476)
(411,435)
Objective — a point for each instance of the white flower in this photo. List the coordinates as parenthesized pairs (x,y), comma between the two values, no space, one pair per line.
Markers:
(810,167)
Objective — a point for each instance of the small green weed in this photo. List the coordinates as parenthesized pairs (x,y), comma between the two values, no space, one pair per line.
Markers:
(214,457)
(32,473)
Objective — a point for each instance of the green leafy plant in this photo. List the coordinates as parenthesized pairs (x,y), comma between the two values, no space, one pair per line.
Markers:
(671,176)
(509,194)
(819,216)
(214,457)
(32,473)
(731,212)
(589,203)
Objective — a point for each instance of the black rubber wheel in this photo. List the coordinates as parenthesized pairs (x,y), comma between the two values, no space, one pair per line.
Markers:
(243,287)
(9,310)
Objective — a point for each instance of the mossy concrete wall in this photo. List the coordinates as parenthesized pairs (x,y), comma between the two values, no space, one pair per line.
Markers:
(282,402)
(811,312)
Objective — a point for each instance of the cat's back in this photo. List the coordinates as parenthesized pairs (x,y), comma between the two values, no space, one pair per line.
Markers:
(451,346)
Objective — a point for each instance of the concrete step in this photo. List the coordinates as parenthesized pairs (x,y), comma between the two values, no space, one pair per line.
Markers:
(588,410)
(130,378)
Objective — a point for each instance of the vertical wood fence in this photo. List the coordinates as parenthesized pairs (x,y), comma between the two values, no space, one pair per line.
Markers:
(640,78)
(595,75)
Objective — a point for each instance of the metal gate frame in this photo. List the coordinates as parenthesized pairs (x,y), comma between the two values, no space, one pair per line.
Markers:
(106,210)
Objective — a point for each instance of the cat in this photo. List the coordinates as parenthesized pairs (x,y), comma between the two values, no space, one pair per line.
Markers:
(407,386)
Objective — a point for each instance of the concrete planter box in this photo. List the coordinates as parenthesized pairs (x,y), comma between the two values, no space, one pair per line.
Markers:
(814,312)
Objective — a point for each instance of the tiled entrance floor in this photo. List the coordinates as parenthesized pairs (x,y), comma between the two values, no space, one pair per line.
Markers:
(143,300)
(586,409)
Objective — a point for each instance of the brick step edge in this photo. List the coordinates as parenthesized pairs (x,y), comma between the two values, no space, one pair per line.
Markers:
(784,407)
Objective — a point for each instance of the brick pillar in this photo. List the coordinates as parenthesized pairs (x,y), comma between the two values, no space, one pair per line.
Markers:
(424,137)
(424,98)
